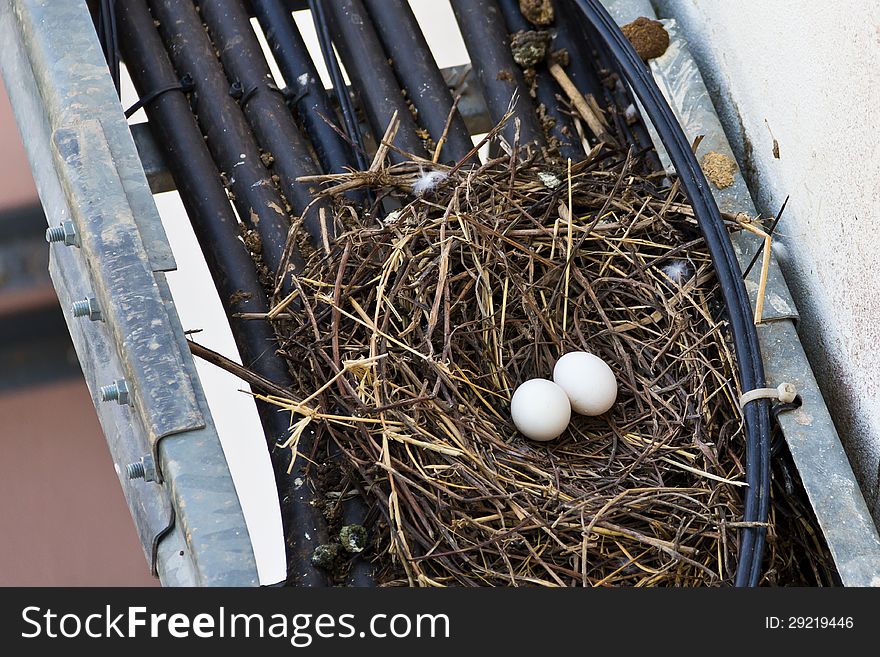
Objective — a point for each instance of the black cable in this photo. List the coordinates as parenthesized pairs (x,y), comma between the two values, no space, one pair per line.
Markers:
(229,138)
(106,30)
(417,71)
(340,89)
(308,94)
(742,326)
(585,65)
(266,111)
(546,89)
(232,268)
(485,37)
(377,86)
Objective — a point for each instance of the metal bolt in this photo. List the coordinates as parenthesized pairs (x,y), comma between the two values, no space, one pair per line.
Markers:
(144,469)
(87,308)
(136,470)
(65,232)
(116,391)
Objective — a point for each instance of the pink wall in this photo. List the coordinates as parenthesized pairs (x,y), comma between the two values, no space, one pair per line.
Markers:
(64,517)
(16,185)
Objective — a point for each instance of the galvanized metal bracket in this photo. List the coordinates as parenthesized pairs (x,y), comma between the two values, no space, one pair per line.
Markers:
(680,81)
(89,176)
(124,284)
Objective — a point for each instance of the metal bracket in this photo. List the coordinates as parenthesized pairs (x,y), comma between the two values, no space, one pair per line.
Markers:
(680,81)
(124,284)
(88,173)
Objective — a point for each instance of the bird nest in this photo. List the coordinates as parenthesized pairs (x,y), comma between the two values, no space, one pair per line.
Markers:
(412,331)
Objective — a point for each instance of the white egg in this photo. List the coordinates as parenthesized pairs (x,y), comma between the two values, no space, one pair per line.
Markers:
(540,409)
(588,382)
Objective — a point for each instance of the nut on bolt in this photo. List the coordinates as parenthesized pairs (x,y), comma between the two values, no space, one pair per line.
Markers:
(64,232)
(88,308)
(144,469)
(116,391)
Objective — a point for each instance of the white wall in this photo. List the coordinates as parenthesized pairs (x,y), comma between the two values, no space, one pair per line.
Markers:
(808,75)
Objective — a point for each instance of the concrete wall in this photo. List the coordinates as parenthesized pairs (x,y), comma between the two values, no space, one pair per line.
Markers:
(806,74)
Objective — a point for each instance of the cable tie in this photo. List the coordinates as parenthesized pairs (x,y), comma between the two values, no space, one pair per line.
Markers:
(784,392)
(185,85)
(243,95)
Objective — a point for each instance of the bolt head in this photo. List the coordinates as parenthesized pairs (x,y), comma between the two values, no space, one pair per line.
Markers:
(122,387)
(65,232)
(117,390)
(149,468)
(144,469)
(70,237)
(95,310)
(87,308)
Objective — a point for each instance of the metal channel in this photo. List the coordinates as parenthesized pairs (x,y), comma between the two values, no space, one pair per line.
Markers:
(89,176)
(809,431)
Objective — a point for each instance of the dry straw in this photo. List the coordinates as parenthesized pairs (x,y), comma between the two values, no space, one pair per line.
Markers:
(408,339)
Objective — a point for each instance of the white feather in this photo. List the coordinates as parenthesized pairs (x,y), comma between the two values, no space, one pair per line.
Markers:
(678,271)
(427,182)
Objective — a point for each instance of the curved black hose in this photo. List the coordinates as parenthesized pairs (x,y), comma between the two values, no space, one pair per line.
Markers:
(745,336)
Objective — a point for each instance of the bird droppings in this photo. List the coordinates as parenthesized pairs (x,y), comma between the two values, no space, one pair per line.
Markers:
(649,38)
(327,556)
(353,538)
(537,12)
(239,296)
(719,169)
(529,48)
(550,180)
(253,241)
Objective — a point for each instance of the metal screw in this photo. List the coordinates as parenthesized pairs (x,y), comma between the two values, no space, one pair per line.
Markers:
(116,391)
(87,308)
(144,469)
(65,232)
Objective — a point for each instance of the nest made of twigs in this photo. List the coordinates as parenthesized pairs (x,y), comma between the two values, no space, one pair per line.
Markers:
(411,334)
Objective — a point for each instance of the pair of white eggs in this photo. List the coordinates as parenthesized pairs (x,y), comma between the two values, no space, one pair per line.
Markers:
(541,409)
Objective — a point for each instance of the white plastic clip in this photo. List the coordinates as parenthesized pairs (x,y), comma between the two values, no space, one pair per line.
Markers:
(784,392)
